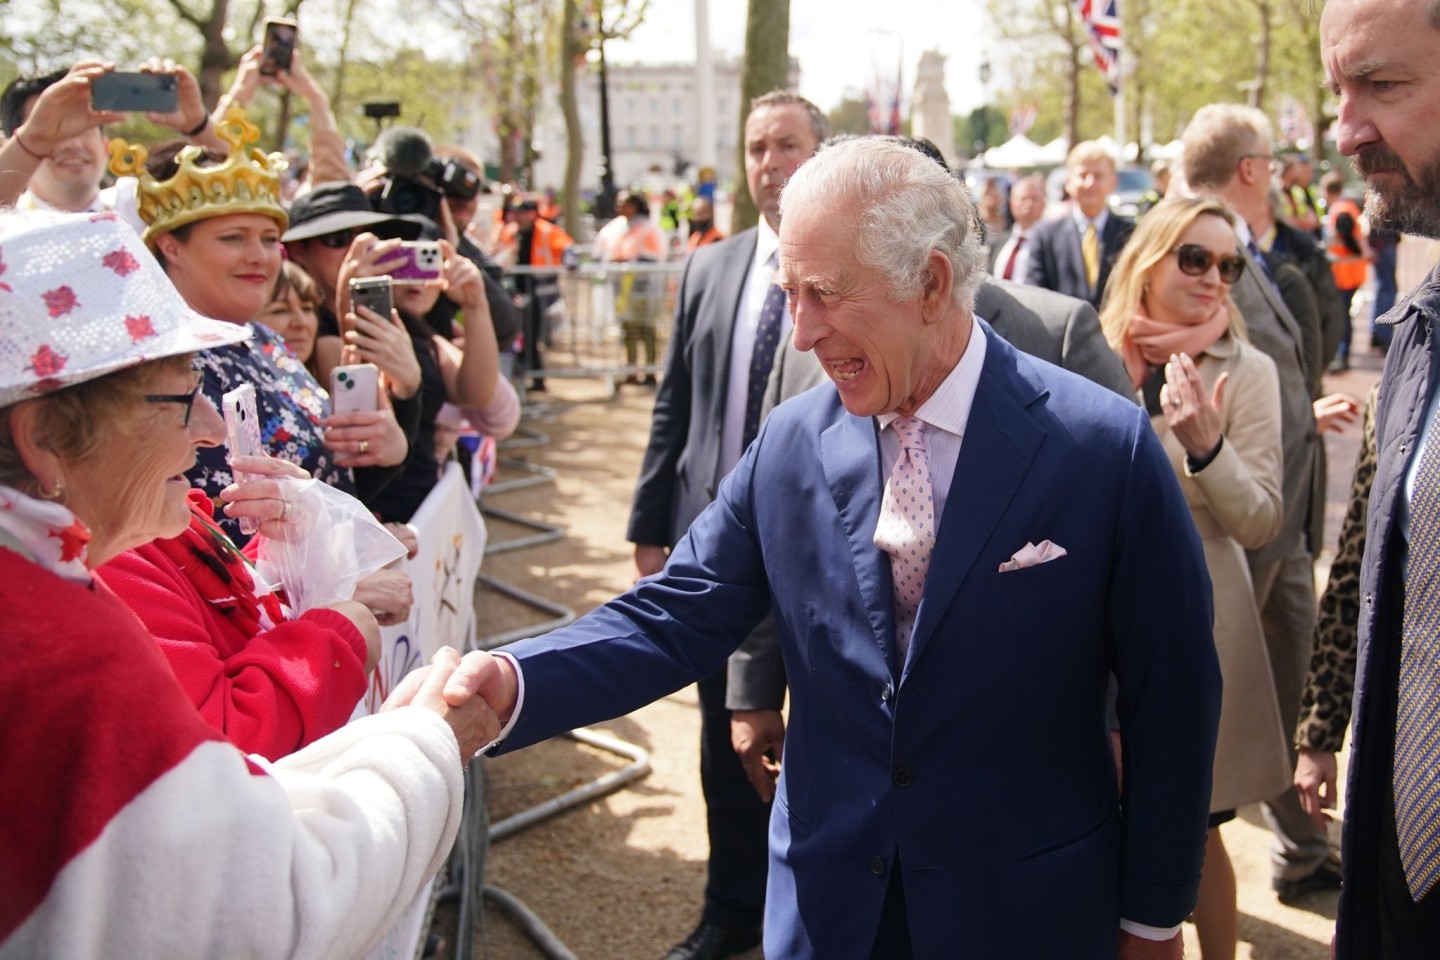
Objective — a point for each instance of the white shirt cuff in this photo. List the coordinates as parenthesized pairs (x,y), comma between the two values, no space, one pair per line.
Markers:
(1146,932)
(514,714)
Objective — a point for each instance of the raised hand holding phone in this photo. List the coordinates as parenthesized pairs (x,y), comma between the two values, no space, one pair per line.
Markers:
(242,433)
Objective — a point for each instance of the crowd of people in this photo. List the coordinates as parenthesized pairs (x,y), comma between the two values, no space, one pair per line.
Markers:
(1018,513)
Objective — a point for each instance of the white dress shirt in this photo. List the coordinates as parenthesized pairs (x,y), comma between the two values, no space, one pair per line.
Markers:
(1021,238)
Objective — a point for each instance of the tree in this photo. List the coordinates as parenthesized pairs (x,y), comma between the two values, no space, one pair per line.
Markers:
(766,67)
(851,115)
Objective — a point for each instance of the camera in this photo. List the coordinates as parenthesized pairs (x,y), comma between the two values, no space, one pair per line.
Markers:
(406,195)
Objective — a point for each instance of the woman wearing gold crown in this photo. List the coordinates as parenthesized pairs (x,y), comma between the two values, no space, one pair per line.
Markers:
(216,229)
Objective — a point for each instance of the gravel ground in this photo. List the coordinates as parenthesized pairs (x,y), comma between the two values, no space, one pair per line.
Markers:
(623,876)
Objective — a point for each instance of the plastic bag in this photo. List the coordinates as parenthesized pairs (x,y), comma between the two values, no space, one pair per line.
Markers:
(327,544)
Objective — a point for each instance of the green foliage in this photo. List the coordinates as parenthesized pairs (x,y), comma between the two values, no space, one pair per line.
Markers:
(766,67)
(850,115)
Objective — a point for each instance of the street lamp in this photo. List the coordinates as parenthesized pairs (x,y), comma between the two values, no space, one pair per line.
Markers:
(604,207)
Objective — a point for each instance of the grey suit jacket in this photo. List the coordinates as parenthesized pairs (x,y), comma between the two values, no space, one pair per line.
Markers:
(1063,330)
(1275,332)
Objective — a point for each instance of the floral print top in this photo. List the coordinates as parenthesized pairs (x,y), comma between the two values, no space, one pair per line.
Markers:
(290,404)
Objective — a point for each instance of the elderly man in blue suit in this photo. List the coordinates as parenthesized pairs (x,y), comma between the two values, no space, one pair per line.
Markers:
(949,782)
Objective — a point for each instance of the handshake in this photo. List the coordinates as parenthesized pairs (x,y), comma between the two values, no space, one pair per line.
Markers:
(475,694)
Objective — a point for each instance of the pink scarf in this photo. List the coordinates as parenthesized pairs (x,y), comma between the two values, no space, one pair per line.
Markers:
(1150,342)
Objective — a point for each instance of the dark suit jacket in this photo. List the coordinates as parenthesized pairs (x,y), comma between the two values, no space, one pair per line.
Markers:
(982,762)
(1399,420)
(1056,263)
(681,468)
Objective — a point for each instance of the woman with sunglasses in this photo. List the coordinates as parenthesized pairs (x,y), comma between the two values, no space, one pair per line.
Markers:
(1215,402)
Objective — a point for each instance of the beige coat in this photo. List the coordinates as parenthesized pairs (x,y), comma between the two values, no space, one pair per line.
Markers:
(1236,502)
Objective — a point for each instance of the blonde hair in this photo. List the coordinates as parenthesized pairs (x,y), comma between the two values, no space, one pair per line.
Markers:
(1158,233)
(1216,139)
(1087,151)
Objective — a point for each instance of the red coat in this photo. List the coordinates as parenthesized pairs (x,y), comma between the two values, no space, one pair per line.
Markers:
(270,692)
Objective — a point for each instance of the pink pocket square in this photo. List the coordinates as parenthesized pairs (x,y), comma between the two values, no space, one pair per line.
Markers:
(1032,554)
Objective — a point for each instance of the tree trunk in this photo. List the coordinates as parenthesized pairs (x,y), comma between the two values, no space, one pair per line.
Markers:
(1262,57)
(1072,97)
(570,54)
(766,68)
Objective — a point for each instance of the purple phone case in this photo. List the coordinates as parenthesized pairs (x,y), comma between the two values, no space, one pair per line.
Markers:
(418,261)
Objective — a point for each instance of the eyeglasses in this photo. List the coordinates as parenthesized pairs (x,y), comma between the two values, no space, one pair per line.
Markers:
(186,400)
(337,240)
(1194,260)
(1272,161)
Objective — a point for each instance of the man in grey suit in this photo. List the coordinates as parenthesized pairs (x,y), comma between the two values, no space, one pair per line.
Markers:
(1073,255)
(1229,155)
(1056,328)
(729,319)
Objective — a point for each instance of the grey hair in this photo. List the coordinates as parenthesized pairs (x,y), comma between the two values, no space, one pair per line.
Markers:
(906,206)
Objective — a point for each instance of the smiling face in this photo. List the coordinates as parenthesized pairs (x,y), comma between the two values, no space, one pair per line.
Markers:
(881,355)
(1177,297)
(777,140)
(1381,58)
(225,266)
(70,178)
(131,488)
(294,318)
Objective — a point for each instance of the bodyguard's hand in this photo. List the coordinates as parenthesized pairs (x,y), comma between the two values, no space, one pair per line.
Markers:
(1132,947)
(649,560)
(758,737)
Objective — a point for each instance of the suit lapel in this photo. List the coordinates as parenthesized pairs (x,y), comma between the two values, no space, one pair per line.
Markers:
(1001,441)
(733,273)
(849,453)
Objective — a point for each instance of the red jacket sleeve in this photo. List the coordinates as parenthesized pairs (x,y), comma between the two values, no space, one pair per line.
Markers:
(271,693)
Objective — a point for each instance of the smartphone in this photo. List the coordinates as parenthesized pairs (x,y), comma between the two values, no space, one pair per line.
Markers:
(355,386)
(375,293)
(242,433)
(147,92)
(281,35)
(419,261)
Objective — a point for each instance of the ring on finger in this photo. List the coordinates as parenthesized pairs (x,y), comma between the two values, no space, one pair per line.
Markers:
(364,445)
(284,511)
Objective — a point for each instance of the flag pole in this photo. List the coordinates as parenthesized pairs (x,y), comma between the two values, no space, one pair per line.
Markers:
(1123,62)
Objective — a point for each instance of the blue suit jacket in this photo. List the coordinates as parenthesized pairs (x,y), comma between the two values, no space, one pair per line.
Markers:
(982,763)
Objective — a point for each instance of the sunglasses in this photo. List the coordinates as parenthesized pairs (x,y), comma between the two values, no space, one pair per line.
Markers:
(1194,260)
(186,400)
(337,240)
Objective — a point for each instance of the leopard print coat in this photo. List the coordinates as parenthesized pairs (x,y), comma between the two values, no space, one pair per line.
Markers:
(1330,684)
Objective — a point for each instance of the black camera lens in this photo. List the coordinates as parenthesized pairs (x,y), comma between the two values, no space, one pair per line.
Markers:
(402,196)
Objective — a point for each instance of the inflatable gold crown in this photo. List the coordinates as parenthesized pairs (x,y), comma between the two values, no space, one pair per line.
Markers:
(247,182)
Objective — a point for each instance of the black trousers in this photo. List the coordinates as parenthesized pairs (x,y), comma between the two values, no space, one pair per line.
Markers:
(737,820)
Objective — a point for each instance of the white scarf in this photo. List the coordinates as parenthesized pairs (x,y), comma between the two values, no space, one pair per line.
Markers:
(53,537)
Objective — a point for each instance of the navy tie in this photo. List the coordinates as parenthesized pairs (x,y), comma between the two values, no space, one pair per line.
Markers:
(762,358)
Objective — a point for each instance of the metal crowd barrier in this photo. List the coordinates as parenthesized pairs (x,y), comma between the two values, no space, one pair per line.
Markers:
(609,321)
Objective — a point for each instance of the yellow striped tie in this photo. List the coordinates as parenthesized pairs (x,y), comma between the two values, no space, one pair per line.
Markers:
(1417,716)
(1090,252)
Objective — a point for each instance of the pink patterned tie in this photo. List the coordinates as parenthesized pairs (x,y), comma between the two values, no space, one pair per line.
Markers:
(906,529)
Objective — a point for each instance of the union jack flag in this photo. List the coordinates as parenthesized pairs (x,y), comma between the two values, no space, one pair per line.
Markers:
(1101,21)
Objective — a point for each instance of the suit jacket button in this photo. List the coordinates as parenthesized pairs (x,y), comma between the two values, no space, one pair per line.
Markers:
(902,777)
(877,865)
(887,693)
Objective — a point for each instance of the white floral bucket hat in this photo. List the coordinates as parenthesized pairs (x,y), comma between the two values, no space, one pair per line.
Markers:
(80,297)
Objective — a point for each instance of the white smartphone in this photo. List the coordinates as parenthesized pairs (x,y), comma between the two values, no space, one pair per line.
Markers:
(242,432)
(355,386)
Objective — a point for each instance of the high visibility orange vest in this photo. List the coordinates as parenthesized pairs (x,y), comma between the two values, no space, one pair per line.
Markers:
(1347,266)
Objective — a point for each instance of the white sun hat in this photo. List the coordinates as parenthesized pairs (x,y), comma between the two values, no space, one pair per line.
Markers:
(80,297)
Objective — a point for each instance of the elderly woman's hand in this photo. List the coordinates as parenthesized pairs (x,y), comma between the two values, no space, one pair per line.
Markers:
(63,110)
(385,342)
(461,692)
(388,594)
(366,438)
(261,496)
(1197,420)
